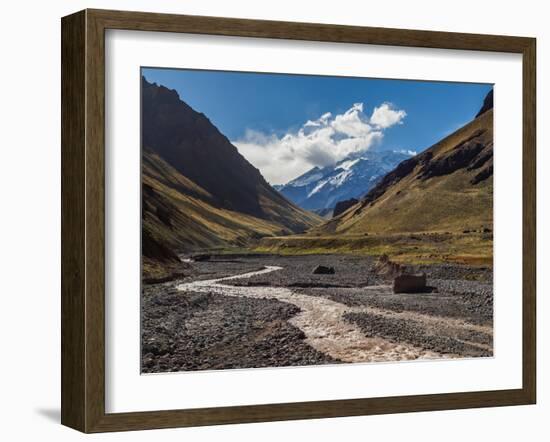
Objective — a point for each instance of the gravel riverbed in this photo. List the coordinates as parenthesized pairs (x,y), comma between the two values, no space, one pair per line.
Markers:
(206,330)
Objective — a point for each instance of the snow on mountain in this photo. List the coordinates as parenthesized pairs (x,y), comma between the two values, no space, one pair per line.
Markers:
(322,188)
(347,164)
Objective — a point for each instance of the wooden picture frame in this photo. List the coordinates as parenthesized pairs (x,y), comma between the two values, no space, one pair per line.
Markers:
(83,220)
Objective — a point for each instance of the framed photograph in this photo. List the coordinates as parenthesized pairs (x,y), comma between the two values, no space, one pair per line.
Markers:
(267,221)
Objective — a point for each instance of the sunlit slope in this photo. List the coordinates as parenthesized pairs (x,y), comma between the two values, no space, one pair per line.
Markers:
(177,213)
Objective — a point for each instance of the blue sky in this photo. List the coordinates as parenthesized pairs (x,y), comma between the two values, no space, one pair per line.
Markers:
(266,115)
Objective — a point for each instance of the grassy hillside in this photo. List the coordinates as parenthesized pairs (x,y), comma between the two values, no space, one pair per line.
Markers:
(472,248)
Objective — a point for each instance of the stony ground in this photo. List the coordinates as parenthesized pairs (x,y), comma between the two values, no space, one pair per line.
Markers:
(256,326)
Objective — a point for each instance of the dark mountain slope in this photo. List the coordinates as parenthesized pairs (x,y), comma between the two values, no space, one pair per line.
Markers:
(178,213)
(194,147)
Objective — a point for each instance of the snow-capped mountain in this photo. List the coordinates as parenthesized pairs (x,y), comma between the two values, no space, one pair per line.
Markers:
(322,188)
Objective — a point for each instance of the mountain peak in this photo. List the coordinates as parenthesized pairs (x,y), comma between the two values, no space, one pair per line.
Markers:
(487,103)
(352,177)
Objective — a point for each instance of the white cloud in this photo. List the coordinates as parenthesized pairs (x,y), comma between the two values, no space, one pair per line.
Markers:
(322,120)
(386,115)
(410,152)
(320,142)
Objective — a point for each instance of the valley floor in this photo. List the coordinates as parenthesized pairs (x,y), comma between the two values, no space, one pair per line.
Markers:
(243,311)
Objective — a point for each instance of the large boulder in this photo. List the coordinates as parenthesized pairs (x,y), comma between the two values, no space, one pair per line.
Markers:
(323,270)
(408,283)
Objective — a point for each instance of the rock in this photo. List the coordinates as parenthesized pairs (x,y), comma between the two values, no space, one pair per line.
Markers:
(408,283)
(156,250)
(201,257)
(323,270)
(154,347)
(485,173)
(342,206)
(460,157)
(488,103)
(164,216)
(387,268)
